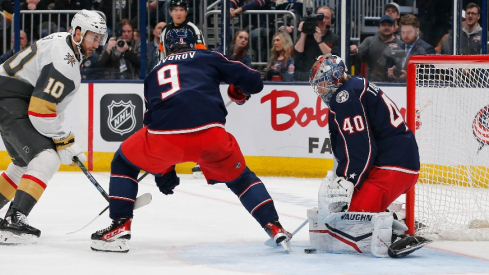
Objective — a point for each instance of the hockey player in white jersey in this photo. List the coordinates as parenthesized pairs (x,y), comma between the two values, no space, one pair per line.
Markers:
(36,86)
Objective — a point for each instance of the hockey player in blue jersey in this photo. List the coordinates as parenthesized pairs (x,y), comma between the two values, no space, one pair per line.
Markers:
(376,157)
(184,121)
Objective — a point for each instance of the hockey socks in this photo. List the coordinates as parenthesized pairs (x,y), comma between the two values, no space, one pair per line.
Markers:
(254,197)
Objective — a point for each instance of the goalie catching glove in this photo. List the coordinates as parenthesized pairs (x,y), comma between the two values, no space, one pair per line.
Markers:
(334,196)
(67,149)
(237,95)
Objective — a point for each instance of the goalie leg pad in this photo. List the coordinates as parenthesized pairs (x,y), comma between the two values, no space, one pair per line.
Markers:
(382,234)
(351,232)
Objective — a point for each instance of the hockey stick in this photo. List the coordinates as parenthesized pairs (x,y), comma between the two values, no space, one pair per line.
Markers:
(140,201)
(270,242)
(229,103)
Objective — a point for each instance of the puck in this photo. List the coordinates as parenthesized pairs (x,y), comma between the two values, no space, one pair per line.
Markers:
(310,250)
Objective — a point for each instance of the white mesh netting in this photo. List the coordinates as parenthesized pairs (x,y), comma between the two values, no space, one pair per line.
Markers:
(452,121)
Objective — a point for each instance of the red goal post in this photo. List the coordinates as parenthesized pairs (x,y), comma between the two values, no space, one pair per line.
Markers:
(448,110)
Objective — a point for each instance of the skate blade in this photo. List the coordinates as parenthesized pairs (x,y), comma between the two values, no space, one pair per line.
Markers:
(9,238)
(118,246)
(286,246)
(198,175)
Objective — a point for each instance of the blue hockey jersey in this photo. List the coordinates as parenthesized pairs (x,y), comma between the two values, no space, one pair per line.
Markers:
(366,130)
(182,92)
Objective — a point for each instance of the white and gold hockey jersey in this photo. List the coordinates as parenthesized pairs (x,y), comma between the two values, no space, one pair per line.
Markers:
(47,74)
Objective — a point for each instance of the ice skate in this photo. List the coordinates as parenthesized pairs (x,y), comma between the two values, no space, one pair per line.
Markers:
(404,245)
(279,234)
(197,172)
(15,229)
(114,238)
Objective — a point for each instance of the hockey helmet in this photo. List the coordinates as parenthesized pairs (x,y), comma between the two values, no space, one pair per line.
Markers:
(178,39)
(92,21)
(327,75)
(179,3)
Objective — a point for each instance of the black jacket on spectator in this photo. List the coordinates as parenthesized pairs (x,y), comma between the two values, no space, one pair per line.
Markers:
(420,47)
(305,60)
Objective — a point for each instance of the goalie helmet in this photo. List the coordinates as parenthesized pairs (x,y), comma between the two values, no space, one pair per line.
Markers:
(327,75)
(176,39)
(86,20)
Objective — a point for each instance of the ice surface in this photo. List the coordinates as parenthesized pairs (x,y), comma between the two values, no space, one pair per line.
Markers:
(203,229)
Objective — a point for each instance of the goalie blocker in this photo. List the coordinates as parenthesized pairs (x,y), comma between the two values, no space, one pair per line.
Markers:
(378,234)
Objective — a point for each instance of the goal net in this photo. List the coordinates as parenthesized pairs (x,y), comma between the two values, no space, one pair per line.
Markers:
(448,109)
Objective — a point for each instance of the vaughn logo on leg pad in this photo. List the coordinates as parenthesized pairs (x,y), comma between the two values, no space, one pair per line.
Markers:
(356,217)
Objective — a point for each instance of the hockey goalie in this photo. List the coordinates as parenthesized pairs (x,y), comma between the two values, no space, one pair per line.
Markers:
(376,160)
(334,229)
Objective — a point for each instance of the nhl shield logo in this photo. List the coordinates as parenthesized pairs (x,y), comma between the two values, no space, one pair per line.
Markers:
(122,118)
(481,127)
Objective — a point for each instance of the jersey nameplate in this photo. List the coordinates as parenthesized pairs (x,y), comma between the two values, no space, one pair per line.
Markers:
(180,56)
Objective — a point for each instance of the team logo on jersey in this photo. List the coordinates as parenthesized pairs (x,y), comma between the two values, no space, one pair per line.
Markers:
(71,59)
(342,96)
(481,127)
(122,118)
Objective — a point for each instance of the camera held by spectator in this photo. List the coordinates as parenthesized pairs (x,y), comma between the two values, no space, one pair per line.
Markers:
(398,55)
(121,42)
(309,26)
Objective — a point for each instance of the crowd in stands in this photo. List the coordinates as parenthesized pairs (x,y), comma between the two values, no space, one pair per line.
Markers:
(383,56)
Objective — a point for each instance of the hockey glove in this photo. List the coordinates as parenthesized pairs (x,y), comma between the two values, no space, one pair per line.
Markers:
(341,192)
(168,182)
(67,149)
(237,95)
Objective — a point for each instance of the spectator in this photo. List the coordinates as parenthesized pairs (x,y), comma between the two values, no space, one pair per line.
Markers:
(470,36)
(239,6)
(137,35)
(392,9)
(284,22)
(376,50)
(51,25)
(239,48)
(91,69)
(35,20)
(255,24)
(122,55)
(118,10)
(310,46)
(23,44)
(281,64)
(152,48)
(7,8)
(439,45)
(413,45)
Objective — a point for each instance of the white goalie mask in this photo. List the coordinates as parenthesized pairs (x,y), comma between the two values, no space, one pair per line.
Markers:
(327,75)
(92,21)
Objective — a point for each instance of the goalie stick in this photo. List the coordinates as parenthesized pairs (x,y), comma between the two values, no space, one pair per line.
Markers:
(270,242)
(140,201)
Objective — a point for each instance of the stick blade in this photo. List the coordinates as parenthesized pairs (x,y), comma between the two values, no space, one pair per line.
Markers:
(143,200)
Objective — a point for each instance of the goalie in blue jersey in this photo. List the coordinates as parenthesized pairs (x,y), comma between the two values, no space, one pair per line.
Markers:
(184,122)
(376,161)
